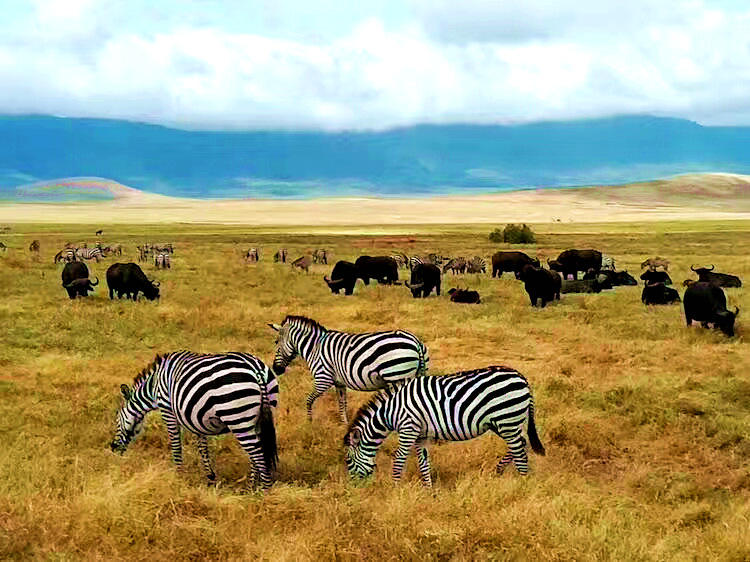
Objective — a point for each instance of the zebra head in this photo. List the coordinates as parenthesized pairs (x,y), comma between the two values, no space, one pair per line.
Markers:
(286,351)
(364,437)
(129,421)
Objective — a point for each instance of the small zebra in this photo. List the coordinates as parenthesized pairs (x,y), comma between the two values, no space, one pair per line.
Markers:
(162,260)
(303,262)
(401,259)
(320,256)
(34,246)
(252,255)
(67,255)
(477,264)
(368,361)
(280,256)
(453,407)
(435,259)
(207,395)
(455,265)
(608,262)
(3,247)
(89,253)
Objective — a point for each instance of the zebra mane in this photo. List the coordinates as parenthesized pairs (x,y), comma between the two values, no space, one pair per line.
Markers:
(304,320)
(140,377)
(370,406)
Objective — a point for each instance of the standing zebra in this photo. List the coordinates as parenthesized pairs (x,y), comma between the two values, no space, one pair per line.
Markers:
(252,255)
(89,253)
(280,256)
(401,259)
(368,361)
(453,407)
(477,264)
(207,395)
(34,246)
(68,255)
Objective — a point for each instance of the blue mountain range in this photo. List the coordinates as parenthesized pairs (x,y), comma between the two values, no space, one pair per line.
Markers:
(419,160)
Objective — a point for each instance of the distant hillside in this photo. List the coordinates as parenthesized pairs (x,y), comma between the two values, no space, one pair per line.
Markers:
(422,160)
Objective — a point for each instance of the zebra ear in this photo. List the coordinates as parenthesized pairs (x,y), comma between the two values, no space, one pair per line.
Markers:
(126,392)
(274,327)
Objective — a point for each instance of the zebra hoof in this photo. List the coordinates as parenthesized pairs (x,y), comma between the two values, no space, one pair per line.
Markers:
(500,469)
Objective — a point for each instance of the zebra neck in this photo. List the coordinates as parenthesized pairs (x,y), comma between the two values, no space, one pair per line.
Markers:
(307,341)
(145,395)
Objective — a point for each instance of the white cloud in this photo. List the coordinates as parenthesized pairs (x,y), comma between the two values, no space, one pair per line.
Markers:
(475,61)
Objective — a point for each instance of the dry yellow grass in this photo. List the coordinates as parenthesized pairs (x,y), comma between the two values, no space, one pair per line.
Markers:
(645,421)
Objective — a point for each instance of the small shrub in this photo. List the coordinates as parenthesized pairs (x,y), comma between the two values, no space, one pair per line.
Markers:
(513,234)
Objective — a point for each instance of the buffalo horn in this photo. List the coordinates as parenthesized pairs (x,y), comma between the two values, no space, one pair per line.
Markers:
(692,268)
(736,311)
(712,267)
(94,284)
(417,286)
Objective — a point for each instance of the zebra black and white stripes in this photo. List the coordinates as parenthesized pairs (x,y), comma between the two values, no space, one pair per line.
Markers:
(89,253)
(207,395)
(368,361)
(453,407)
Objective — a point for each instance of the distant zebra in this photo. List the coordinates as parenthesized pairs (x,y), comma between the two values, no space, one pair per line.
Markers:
(280,256)
(368,361)
(3,247)
(161,260)
(477,264)
(34,246)
(66,255)
(163,247)
(401,259)
(320,256)
(455,265)
(143,252)
(252,255)
(303,262)
(608,262)
(435,259)
(89,253)
(207,395)
(99,232)
(116,249)
(453,407)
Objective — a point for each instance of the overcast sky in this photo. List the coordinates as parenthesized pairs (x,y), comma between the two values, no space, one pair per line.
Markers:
(328,64)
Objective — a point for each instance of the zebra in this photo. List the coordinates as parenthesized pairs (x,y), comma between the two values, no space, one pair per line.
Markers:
(162,260)
(34,246)
(207,395)
(280,256)
(89,253)
(303,262)
(477,264)
(3,247)
(456,265)
(368,361)
(435,259)
(67,255)
(252,255)
(608,262)
(320,256)
(453,407)
(401,259)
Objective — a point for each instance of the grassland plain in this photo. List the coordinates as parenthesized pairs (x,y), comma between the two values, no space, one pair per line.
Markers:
(646,422)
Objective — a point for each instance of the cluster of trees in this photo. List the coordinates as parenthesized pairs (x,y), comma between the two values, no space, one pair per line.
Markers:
(513,234)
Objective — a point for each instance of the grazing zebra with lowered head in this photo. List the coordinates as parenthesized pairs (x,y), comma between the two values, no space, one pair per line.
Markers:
(89,253)
(207,395)
(368,361)
(456,265)
(453,407)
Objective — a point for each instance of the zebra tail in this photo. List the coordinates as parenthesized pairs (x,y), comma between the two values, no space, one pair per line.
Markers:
(267,431)
(536,444)
(423,360)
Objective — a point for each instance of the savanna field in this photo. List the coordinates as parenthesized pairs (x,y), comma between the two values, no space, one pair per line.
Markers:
(646,423)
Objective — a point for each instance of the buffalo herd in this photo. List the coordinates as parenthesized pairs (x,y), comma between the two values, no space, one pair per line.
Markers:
(573,271)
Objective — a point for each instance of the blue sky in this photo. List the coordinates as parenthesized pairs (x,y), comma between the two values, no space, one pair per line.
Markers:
(334,64)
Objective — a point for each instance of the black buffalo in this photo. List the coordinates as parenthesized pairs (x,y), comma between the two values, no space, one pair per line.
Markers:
(609,278)
(570,262)
(464,296)
(383,269)
(651,276)
(424,278)
(707,303)
(75,279)
(511,261)
(128,279)
(581,286)
(720,279)
(343,276)
(659,293)
(541,284)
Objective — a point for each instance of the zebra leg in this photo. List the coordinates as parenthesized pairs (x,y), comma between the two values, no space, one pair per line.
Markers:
(504,462)
(175,438)
(517,449)
(406,441)
(342,403)
(206,458)
(250,443)
(317,391)
(423,459)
